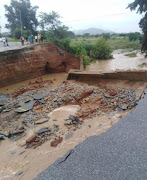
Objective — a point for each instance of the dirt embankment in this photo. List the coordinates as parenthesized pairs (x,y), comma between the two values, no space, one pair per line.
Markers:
(32,61)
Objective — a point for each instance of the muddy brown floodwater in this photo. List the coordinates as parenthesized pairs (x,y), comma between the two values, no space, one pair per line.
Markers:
(57,78)
(120,61)
(28,163)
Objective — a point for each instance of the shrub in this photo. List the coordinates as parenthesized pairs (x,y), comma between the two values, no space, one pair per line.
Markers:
(101,49)
(78,49)
(88,48)
(86,60)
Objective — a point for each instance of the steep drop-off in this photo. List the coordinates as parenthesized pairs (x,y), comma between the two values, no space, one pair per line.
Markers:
(32,61)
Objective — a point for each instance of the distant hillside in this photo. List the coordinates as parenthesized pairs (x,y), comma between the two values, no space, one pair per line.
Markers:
(92,31)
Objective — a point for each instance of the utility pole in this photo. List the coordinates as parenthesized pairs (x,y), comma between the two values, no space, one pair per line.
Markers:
(0,26)
(20,22)
(20,19)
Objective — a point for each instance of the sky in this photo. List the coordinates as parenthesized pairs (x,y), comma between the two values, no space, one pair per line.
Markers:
(82,14)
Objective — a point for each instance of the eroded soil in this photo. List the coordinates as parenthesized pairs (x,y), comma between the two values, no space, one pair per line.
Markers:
(96,106)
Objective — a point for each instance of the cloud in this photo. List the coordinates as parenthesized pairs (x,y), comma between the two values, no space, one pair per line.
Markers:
(109,14)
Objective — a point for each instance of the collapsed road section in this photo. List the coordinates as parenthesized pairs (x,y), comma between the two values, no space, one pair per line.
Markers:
(40,123)
(32,61)
(42,120)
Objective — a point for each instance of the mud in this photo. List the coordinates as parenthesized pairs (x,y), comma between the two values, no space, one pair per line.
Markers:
(98,104)
(31,162)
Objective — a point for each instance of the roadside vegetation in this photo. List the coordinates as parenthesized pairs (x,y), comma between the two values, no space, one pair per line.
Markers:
(99,46)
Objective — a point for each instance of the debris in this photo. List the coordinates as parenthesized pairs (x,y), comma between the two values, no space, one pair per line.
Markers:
(43,130)
(124,107)
(112,92)
(40,121)
(38,97)
(4,97)
(2,137)
(26,107)
(2,108)
(84,94)
(31,139)
(19,173)
(55,128)
(17,132)
(41,101)
(68,122)
(73,118)
(56,142)
(22,152)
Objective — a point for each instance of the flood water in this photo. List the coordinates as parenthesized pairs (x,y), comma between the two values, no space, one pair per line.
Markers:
(57,79)
(120,62)
(34,161)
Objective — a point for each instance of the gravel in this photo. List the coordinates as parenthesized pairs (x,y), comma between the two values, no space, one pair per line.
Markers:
(120,153)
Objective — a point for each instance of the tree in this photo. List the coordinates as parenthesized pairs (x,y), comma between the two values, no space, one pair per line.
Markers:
(86,34)
(101,49)
(17,33)
(52,24)
(21,14)
(106,36)
(49,21)
(134,36)
(141,6)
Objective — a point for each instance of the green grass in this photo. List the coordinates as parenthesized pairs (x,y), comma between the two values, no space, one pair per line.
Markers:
(117,43)
(124,44)
(13,40)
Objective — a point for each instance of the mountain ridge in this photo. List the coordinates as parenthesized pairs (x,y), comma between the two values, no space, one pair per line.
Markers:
(92,31)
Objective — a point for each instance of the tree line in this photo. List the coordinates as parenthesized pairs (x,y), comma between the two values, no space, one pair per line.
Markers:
(22,18)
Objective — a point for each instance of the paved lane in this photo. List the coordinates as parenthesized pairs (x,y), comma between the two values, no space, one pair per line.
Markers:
(118,154)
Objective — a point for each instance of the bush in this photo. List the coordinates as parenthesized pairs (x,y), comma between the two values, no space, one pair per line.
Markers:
(77,50)
(17,33)
(88,48)
(86,60)
(101,49)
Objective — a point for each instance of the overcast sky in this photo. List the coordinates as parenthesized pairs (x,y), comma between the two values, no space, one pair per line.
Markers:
(82,14)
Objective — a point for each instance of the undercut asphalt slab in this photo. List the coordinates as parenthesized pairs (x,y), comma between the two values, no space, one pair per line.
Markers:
(118,154)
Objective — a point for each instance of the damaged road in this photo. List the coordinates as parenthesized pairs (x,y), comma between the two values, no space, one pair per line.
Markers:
(39,125)
(120,153)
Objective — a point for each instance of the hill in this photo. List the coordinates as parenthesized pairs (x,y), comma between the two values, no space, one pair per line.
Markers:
(92,31)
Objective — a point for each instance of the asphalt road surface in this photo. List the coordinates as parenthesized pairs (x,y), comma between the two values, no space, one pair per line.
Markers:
(118,154)
(12,45)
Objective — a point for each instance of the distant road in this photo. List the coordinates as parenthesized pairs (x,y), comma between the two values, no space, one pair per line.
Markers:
(12,45)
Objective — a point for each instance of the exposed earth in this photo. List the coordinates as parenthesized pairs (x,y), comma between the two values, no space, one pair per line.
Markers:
(41,119)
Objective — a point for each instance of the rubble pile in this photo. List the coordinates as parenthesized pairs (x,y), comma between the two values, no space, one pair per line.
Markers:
(32,108)
(92,100)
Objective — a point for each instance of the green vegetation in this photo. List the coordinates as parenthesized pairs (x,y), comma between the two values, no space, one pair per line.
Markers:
(101,49)
(143,65)
(133,54)
(24,11)
(141,6)
(99,46)
(124,44)
(115,42)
